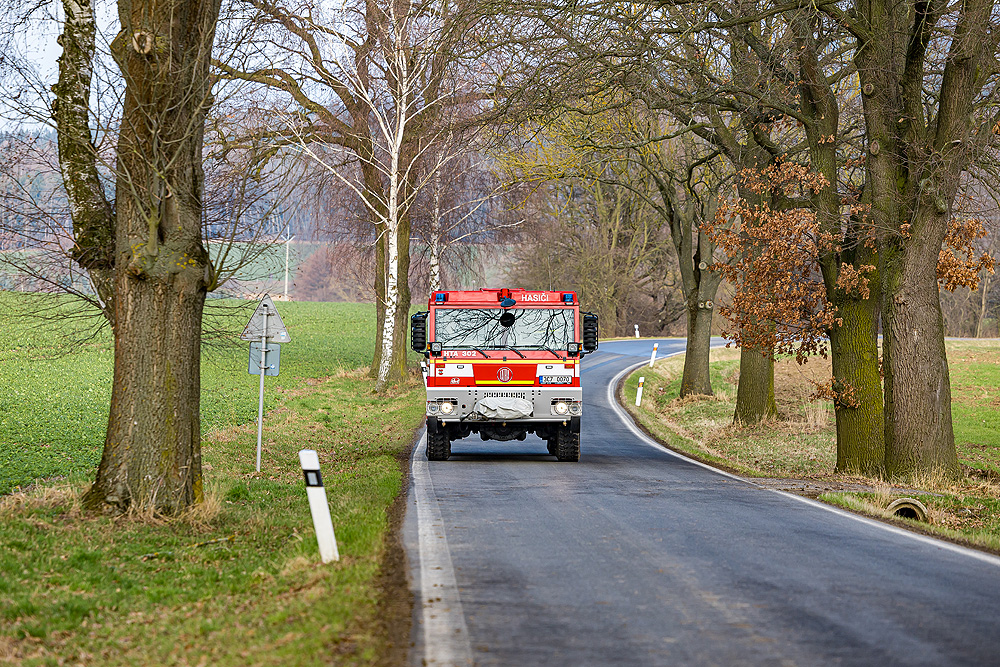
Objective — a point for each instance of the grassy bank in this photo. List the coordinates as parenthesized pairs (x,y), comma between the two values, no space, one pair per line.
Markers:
(237,581)
(797,451)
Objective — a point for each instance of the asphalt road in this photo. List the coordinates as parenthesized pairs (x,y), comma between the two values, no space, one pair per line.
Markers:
(635,556)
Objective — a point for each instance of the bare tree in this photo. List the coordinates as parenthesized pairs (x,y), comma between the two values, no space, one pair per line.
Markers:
(366,87)
(152,269)
(462,211)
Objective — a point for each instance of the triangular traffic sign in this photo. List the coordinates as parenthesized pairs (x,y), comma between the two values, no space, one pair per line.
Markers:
(276,332)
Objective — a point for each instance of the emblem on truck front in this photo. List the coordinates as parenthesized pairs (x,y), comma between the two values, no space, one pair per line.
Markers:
(504,374)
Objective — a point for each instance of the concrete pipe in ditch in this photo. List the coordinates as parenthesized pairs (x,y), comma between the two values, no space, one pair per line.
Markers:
(907,508)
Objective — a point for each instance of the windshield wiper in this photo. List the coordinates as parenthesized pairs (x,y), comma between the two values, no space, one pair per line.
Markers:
(508,347)
(548,349)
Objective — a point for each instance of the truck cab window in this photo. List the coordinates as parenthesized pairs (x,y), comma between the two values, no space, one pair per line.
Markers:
(496,327)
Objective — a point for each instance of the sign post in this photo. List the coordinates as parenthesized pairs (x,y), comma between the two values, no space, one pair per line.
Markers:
(264,333)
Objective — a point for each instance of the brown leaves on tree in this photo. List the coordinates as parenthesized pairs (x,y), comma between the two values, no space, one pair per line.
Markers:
(958,263)
(780,305)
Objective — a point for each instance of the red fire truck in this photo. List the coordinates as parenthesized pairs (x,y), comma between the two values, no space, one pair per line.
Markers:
(503,363)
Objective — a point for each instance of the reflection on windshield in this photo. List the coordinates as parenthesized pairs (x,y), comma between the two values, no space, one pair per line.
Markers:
(480,327)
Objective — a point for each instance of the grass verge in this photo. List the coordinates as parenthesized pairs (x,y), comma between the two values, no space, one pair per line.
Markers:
(237,581)
(797,451)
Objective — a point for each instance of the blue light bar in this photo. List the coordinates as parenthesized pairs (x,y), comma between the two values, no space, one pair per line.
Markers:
(440,297)
(569,297)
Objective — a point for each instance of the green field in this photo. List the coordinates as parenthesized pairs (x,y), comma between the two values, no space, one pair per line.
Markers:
(236,581)
(53,406)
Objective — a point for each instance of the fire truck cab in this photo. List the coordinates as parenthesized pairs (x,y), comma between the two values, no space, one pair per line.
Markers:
(503,363)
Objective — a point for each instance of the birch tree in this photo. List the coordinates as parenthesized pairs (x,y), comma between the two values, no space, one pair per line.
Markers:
(363,87)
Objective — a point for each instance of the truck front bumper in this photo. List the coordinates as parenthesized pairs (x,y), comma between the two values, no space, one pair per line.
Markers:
(546,403)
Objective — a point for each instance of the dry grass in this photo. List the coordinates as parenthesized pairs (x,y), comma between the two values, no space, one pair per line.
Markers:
(43,497)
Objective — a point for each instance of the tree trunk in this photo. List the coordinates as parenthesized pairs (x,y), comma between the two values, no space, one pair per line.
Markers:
(388,341)
(918,430)
(984,292)
(755,393)
(434,240)
(858,408)
(152,452)
(917,151)
(402,331)
(857,384)
(90,210)
(696,378)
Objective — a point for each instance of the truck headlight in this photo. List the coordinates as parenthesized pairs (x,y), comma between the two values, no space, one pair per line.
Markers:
(566,406)
(555,379)
(447,407)
(432,407)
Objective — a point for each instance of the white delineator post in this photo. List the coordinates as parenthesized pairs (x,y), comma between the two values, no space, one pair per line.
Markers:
(652,357)
(260,401)
(638,394)
(637,331)
(318,506)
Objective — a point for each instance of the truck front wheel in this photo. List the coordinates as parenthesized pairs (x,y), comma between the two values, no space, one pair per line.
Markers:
(567,445)
(438,444)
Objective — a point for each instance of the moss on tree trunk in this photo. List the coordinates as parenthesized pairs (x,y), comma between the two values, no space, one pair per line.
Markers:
(858,385)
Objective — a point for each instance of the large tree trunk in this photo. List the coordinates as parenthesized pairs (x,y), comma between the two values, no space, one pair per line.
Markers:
(857,384)
(152,452)
(919,123)
(918,431)
(755,393)
(858,387)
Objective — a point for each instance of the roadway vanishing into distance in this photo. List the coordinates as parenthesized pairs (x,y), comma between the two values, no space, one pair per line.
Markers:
(637,556)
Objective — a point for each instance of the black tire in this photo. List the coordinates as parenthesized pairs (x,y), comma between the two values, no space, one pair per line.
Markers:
(438,445)
(567,445)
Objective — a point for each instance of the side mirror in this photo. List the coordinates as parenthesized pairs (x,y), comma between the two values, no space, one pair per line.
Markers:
(418,332)
(589,332)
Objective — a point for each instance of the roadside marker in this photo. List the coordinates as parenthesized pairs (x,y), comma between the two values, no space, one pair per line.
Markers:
(637,331)
(319,506)
(638,394)
(652,357)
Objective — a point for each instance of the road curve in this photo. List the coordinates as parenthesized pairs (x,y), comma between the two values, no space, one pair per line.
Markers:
(636,556)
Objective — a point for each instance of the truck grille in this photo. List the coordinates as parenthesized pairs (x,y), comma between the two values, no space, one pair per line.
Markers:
(505,394)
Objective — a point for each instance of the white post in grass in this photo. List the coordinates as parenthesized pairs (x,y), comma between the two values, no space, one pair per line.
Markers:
(652,357)
(318,506)
(638,394)
(637,331)
(260,397)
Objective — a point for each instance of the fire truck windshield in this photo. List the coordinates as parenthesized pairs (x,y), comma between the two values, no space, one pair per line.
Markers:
(481,327)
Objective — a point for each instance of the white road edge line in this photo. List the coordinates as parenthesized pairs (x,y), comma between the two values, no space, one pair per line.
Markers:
(628,421)
(446,636)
